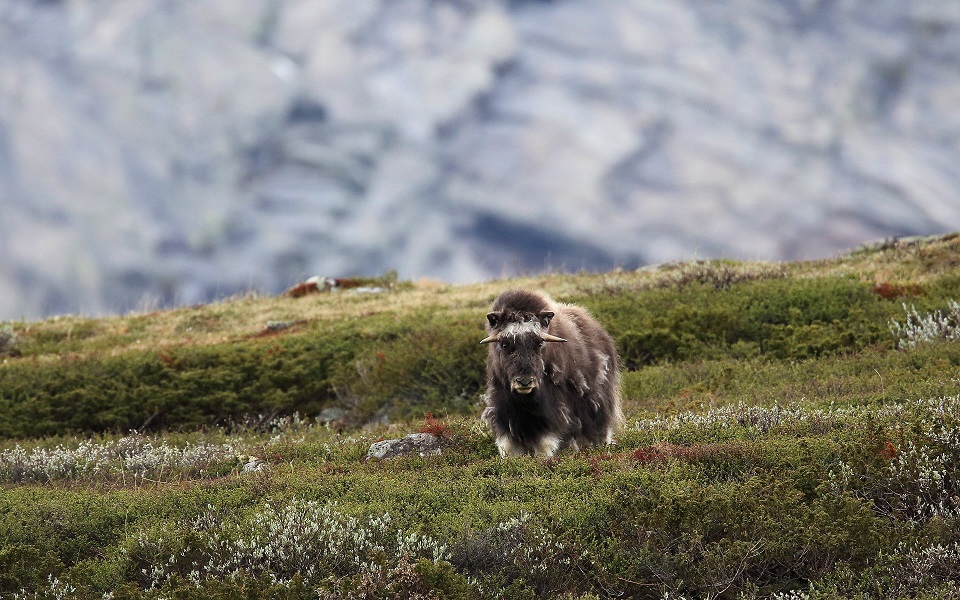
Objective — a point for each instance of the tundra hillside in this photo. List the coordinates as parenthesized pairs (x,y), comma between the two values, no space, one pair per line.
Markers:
(792,431)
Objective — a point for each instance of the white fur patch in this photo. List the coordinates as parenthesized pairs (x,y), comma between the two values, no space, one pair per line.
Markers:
(506,447)
(604,367)
(517,329)
(609,435)
(582,384)
(547,446)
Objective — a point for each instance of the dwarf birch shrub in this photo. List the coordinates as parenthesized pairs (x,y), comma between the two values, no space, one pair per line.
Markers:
(778,319)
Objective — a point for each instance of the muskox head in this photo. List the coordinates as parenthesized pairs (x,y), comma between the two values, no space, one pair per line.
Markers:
(519,339)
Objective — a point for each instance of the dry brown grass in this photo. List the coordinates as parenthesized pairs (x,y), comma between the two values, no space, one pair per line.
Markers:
(908,263)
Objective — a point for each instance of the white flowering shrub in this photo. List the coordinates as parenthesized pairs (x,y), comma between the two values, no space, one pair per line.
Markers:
(791,595)
(531,547)
(919,566)
(919,476)
(915,475)
(924,474)
(133,459)
(300,538)
(55,590)
(909,570)
(756,419)
(917,329)
(275,424)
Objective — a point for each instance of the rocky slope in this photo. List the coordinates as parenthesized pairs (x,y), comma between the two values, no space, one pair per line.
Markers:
(163,151)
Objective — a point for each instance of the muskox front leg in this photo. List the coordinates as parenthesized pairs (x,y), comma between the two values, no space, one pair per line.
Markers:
(506,447)
(610,440)
(547,446)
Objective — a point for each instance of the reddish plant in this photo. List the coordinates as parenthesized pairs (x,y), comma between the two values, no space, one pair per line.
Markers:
(302,289)
(435,427)
(889,451)
(891,291)
(653,454)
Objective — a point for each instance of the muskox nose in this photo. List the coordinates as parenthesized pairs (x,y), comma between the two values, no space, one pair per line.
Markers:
(524,384)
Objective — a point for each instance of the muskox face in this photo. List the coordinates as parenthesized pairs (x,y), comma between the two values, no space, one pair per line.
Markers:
(518,340)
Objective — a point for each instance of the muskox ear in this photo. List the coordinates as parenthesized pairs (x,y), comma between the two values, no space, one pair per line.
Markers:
(545,318)
(494,319)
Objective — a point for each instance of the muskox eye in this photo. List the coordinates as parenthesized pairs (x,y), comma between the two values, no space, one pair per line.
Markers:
(540,343)
(507,347)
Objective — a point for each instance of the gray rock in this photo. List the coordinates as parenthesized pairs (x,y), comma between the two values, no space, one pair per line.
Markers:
(156,153)
(421,444)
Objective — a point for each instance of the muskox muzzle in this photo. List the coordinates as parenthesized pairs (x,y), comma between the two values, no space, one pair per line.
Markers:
(523,384)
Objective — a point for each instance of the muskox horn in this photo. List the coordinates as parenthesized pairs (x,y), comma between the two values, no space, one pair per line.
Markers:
(551,338)
(489,340)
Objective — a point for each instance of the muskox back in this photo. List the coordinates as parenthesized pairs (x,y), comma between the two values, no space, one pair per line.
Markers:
(553,376)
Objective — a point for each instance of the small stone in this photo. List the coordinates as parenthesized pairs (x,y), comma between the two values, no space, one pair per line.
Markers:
(278,325)
(252,464)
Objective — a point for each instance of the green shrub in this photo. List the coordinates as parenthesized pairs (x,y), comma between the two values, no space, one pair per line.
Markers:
(24,566)
(780,318)
(182,388)
(409,369)
(437,368)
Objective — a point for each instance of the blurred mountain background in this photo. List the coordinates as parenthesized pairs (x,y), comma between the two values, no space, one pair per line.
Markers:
(158,152)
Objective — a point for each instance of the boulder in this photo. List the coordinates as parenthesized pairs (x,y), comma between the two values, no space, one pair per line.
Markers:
(421,444)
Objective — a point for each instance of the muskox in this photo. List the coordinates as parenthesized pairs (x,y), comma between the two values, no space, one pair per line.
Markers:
(553,376)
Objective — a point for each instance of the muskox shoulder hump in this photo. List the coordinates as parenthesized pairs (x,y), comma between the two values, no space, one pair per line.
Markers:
(526,301)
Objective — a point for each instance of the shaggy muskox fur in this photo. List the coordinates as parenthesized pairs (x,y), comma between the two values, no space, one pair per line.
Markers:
(553,376)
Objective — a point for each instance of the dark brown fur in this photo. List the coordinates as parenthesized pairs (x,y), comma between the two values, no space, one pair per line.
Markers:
(543,396)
